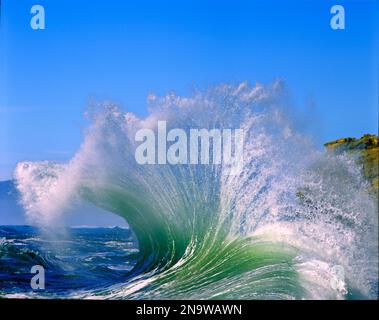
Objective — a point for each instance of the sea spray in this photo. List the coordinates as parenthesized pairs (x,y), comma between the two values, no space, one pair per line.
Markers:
(276,229)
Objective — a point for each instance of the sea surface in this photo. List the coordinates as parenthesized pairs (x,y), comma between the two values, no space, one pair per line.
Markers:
(75,259)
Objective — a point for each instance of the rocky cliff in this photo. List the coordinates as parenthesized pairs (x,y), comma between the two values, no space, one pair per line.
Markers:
(367,147)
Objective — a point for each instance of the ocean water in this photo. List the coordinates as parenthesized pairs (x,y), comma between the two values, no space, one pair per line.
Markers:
(74,259)
(294,222)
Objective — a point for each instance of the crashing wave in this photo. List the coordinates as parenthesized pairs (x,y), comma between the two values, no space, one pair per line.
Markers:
(293,223)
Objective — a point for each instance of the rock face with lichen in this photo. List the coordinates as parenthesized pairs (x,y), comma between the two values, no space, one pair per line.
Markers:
(367,147)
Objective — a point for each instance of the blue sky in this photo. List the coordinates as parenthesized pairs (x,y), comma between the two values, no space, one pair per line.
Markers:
(123,50)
